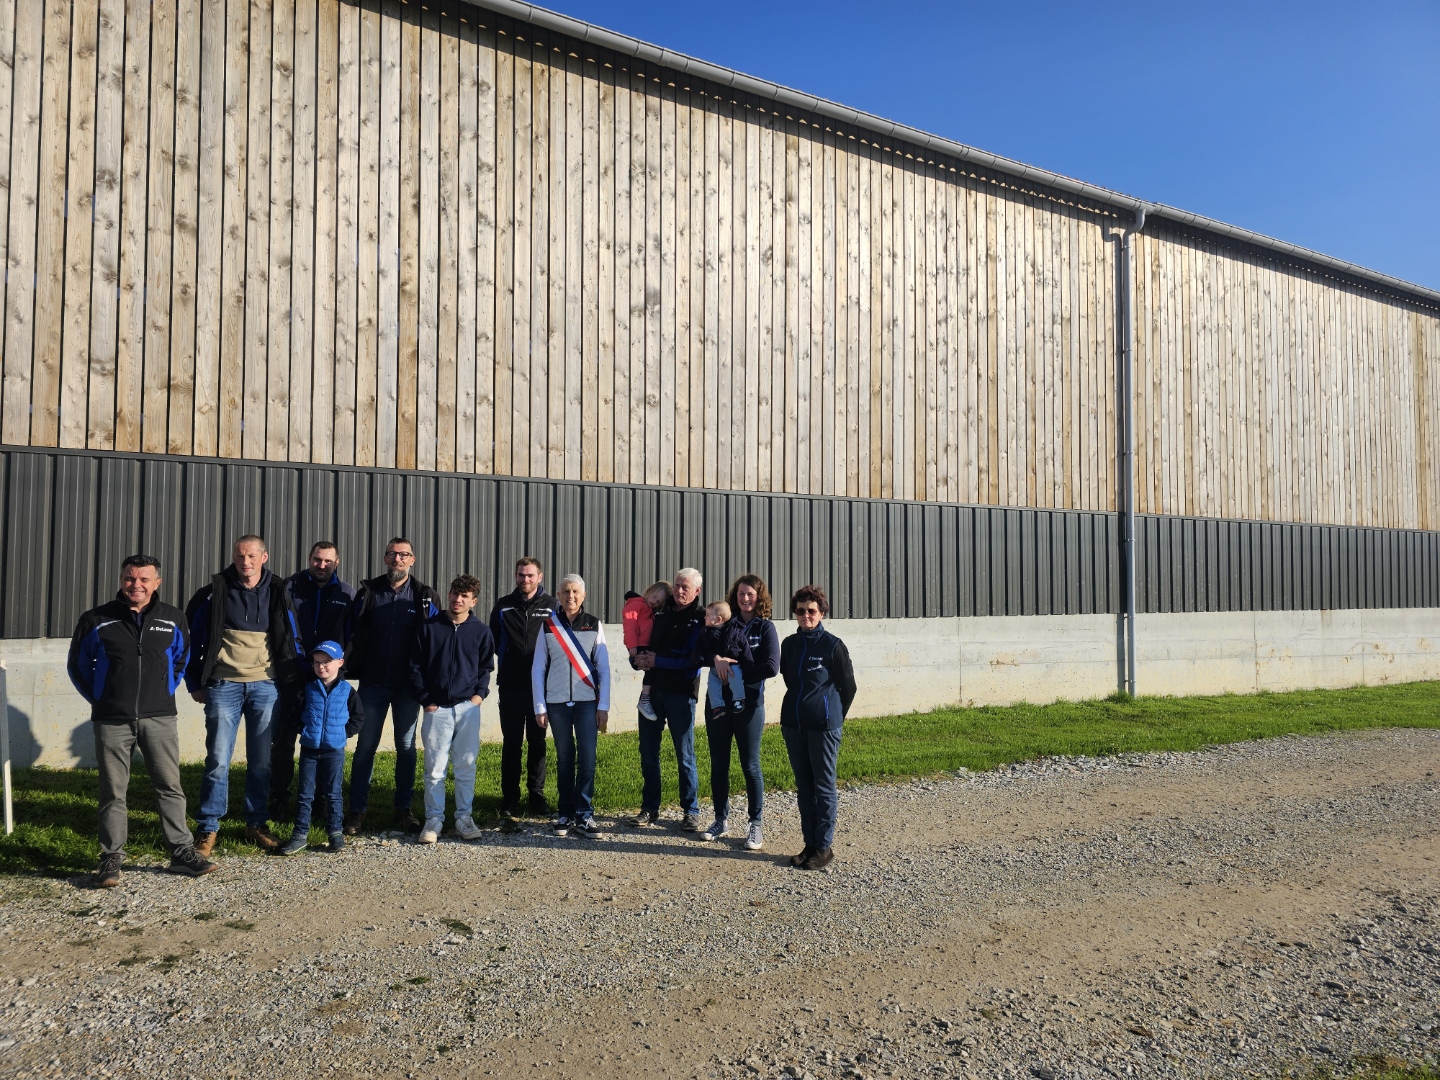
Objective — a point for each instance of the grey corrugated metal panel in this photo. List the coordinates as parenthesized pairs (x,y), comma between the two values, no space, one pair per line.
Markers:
(280,524)
(1165,565)
(948,562)
(877,540)
(1192,566)
(682,541)
(418,516)
(620,513)
(387,519)
(569,524)
(715,552)
(895,547)
(1028,569)
(1222,566)
(360,550)
(861,563)
(594,553)
(77,581)
(984,575)
(842,570)
(644,564)
(736,510)
(244,501)
(163,515)
(5,459)
(510,521)
(1324,569)
(317,515)
(450,527)
(932,565)
(802,552)
(1070,563)
(1114,582)
(965,561)
(117,533)
(206,550)
(782,582)
(1086,555)
(28,544)
(480,554)
(1011,568)
(821,546)
(757,516)
(1055,556)
(540,522)
(914,569)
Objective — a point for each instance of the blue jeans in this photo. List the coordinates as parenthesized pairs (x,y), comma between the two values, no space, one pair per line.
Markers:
(574,728)
(320,773)
(813,755)
(225,704)
(376,701)
(745,729)
(678,710)
(716,690)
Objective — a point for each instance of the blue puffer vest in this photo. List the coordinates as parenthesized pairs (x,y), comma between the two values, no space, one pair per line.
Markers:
(324,715)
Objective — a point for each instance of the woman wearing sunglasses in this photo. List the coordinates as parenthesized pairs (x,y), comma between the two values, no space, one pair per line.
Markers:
(819,687)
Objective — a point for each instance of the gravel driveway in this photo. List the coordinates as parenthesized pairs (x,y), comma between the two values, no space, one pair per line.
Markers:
(1232,912)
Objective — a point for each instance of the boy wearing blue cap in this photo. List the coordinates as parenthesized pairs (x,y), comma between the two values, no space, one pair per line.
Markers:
(330,713)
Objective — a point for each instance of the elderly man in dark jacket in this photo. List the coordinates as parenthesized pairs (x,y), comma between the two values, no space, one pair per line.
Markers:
(127,658)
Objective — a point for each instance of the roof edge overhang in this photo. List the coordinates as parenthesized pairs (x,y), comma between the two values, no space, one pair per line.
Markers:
(624,45)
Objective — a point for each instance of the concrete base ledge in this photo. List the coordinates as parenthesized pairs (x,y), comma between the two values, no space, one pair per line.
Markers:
(914,665)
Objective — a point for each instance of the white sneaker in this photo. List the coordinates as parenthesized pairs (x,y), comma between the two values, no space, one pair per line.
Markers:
(467,828)
(715,831)
(431,832)
(756,839)
(646,710)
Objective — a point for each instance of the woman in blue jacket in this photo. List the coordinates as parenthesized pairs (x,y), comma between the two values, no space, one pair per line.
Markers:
(819,687)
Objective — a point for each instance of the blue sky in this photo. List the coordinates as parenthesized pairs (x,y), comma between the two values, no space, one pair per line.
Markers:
(1316,123)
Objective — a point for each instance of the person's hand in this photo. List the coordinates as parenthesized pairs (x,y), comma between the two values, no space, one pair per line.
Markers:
(645,661)
(602,719)
(541,719)
(198,695)
(432,708)
(722,666)
(475,700)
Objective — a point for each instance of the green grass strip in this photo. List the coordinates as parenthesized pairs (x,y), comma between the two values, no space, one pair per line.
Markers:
(55,809)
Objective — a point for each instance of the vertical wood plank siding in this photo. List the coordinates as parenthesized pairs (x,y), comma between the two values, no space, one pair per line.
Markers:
(311,231)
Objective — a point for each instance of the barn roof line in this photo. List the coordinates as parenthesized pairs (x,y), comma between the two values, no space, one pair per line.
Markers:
(763,88)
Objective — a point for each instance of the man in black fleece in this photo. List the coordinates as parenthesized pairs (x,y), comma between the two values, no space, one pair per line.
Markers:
(516,622)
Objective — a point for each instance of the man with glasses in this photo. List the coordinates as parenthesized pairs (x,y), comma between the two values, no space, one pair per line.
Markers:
(387,610)
(127,659)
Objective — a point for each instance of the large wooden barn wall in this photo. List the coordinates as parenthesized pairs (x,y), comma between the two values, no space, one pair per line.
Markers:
(311,231)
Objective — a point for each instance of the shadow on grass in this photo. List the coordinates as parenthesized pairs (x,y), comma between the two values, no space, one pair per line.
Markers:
(56,809)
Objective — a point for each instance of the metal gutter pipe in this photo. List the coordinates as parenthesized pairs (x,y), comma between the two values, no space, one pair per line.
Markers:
(784,95)
(1127,438)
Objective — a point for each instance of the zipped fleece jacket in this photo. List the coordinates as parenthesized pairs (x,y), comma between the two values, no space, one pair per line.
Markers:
(516,624)
(819,681)
(129,669)
(379,649)
(451,662)
(329,717)
(206,616)
(676,644)
(553,678)
(323,612)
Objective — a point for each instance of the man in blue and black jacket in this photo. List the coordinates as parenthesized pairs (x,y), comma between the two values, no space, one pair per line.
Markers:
(323,611)
(245,656)
(127,659)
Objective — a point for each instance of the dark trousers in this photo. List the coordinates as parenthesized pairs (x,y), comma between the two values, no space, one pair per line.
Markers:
(159,740)
(813,757)
(284,734)
(744,730)
(320,775)
(678,711)
(517,726)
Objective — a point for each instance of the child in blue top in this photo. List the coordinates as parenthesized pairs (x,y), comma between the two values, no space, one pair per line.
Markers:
(330,713)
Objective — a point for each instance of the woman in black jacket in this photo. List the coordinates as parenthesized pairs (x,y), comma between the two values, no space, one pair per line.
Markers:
(819,687)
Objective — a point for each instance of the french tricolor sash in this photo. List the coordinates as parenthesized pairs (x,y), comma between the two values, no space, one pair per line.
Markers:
(570,646)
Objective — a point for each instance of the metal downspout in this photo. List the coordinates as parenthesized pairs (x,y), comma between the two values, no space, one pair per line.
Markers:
(1127,465)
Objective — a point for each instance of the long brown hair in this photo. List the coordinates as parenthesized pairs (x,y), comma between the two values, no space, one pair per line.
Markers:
(762,595)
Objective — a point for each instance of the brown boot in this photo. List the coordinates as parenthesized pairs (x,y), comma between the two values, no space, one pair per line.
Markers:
(354,823)
(261,838)
(821,859)
(205,844)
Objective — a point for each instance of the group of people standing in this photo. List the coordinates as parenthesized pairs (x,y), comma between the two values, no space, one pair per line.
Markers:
(275,654)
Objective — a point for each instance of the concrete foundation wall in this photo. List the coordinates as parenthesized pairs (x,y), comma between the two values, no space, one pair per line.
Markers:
(910,665)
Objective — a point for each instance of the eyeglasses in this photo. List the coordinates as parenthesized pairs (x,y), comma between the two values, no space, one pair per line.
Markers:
(399,554)
(811,610)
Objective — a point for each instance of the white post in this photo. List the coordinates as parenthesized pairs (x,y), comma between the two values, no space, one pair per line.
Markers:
(5,751)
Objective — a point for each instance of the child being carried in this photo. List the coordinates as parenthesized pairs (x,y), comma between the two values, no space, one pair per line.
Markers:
(724,636)
(637,621)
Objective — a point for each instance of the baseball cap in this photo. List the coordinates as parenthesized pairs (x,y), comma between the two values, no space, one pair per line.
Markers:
(331,649)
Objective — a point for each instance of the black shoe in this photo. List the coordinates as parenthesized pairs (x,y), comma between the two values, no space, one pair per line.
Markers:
(299,841)
(803,857)
(279,810)
(354,823)
(539,807)
(407,821)
(191,863)
(643,820)
(337,842)
(690,823)
(108,876)
(821,859)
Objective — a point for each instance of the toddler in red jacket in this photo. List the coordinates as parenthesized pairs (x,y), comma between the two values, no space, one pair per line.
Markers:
(637,620)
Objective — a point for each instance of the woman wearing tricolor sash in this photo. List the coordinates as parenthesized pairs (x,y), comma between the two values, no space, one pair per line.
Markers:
(570,681)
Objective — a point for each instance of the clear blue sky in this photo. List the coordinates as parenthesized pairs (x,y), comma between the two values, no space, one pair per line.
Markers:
(1317,123)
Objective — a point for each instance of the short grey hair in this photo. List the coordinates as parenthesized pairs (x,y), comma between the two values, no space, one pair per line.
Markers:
(574,579)
(689,573)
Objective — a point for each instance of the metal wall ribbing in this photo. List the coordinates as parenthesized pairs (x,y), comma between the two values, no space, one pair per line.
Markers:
(70,516)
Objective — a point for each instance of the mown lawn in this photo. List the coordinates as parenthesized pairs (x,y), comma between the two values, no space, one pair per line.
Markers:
(55,809)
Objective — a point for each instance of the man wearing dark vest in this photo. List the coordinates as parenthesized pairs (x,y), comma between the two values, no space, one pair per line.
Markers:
(386,612)
(516,622)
